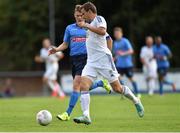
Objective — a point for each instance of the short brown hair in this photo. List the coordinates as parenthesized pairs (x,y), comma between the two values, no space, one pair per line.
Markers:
(118,29)
(89,6)
(77,8)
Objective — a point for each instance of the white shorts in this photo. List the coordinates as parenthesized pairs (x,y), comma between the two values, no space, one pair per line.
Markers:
(150,72)
(104,67)
(51,72)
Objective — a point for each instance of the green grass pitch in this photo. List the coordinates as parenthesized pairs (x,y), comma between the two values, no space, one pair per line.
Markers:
(109,113)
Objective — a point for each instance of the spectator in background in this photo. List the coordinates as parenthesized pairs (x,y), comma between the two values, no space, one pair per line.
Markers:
(52,66)
(8,89)
(149,64)
(162,54)
(122,50)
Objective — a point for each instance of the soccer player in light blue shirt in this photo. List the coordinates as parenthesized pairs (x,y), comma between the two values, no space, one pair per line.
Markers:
(75,39)
(162,53)
(122,50)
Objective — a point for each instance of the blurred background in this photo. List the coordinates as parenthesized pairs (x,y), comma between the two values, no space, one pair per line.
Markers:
(24,23)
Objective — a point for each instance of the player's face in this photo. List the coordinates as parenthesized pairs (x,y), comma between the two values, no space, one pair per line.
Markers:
(78,16)
(118,35)
(149,41)
(46,43)
(85,15)
(158,40)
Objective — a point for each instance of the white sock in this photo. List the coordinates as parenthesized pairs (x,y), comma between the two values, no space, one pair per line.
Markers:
(152,85)
(51,85)
(128,93)
(85,103)
(58,88)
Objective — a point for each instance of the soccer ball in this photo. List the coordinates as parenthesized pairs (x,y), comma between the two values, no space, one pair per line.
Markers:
(44,117)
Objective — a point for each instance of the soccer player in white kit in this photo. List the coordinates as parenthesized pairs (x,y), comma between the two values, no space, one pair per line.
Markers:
(149,64)
(99,62)
(52,66)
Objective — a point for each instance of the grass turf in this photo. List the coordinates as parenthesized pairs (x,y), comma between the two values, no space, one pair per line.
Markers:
(109,114)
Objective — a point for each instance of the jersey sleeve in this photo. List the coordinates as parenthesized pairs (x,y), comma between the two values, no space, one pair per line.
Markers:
(43,54)
(101,22)
(114,49)
(108,36)
(67,36)
(128,45)
(142,53)
(167,51)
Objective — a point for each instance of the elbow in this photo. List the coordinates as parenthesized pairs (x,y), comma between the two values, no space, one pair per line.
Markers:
(131,51)
(102,33)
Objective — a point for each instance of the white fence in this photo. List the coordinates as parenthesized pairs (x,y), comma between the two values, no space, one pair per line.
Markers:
(66,82)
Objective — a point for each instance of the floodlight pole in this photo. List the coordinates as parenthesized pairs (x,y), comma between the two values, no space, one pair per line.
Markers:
(51,21)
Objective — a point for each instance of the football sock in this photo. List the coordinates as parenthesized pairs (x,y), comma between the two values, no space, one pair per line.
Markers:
(128,93)
(152,85)
(73,100)
(134,84)
(160,87)
(51,85)
(167,82)
(59,90)
(85,103)
(97,84)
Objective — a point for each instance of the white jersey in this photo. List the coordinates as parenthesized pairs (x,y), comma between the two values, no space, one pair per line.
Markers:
(96,44)
(99,61)
(49,60)
(148,56)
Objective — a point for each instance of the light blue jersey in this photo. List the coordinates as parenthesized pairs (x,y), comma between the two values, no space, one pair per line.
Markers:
(124,45)
(75,36)
(161,50)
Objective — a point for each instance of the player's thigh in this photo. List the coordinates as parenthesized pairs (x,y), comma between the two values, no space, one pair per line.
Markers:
(89,74)
(78,65)
(86,83)
(129,73)
(162,73)
(152,73)
(76,83)
(45,80)
(53,73)
(48,73)
(110,75)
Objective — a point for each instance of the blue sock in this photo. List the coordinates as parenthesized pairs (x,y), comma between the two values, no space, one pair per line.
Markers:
(160,88)
(167,82)
(73,100)
(97,84)
(134,84)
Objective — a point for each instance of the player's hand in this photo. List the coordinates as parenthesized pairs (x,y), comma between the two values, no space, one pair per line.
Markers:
(121,53)
(160,57)
(82,24)
(52,50)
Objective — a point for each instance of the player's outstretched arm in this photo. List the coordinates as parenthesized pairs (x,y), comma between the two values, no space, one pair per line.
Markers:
(61,47)
(38,59)
(97,30)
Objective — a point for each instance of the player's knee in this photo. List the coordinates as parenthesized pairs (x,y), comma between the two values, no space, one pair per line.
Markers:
(131,79)
(84,86)
(76,86)
(76,83)
(117,87)
(45,80)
